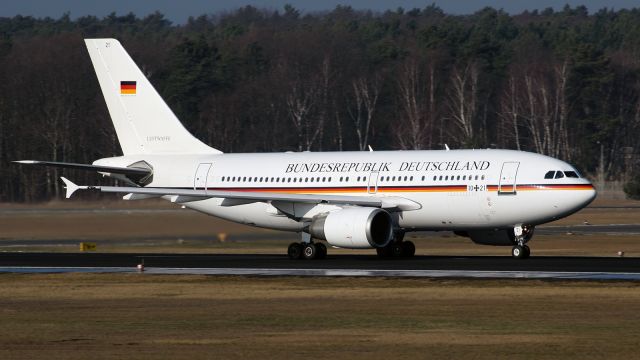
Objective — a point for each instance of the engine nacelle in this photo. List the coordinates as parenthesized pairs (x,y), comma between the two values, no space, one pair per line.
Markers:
(354,228)
(504,237)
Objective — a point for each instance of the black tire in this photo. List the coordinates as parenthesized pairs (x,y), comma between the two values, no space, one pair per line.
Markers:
(527,252)
(384,252)
(408,249)
(295,251)
(310,251)
(397,249)
(322,251)
(518,252)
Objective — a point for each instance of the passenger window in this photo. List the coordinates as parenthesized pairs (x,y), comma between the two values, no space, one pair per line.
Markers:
(559,175)
(435,178)
(549,174)
(464,177)
(482,178)
(440,178)
(571,174)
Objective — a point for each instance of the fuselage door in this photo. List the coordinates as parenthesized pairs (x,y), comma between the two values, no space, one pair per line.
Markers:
(372,188)
(200,179)
(507,185)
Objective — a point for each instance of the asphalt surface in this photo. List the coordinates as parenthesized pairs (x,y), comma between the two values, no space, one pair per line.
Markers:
(349,262)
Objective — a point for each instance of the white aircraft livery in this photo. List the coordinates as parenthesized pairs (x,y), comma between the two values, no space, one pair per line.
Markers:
(356,200)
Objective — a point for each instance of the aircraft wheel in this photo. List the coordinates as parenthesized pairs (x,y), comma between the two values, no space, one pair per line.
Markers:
(527,251)
(310,251)
(408,249)
(397,249)
(294,251)
(322,251)
(518,252)
(384,252)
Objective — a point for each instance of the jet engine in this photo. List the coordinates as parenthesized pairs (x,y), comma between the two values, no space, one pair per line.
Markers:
(354,228)
(502,237)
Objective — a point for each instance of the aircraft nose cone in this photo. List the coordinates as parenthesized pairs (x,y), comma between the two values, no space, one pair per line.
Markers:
(589,195)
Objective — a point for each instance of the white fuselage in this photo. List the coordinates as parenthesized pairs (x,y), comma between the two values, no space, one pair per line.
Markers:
(455,190)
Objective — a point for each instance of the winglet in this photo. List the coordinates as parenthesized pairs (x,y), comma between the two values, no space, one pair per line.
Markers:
(70,186)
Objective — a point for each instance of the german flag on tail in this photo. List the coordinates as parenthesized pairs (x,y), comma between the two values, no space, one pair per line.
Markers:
(127,87)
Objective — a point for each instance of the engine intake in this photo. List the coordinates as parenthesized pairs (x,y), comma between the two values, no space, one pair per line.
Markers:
(354,228)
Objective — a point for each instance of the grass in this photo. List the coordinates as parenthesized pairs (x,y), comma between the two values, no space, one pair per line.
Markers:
(80,316)
(77,316)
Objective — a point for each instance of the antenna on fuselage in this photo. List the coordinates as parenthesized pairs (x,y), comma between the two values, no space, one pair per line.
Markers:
(370,149)
(446,147)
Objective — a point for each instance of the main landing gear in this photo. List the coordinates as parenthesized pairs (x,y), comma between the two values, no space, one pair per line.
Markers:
(397,248)
(307,250)
(522,235)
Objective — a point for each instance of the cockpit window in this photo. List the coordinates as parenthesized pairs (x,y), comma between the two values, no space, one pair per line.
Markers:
(549,175)
(571,174)
(559,175)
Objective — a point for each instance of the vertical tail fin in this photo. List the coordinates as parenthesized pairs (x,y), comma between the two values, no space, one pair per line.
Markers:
(143,121)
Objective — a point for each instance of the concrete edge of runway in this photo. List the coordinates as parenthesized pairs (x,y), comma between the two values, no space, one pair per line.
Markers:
(558,275)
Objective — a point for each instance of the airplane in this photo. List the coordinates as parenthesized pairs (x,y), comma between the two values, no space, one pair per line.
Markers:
(352,199)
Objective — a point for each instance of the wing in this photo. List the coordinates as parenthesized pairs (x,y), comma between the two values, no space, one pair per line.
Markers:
(242,197)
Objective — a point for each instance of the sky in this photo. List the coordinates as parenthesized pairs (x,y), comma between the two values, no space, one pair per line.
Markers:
(179,11)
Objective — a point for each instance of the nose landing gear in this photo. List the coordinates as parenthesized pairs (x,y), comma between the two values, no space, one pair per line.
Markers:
(523,233)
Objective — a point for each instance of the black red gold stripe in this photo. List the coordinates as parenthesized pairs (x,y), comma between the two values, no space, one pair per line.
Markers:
(426,189)
(533,187)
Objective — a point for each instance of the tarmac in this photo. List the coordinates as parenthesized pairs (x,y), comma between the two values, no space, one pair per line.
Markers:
(542,267)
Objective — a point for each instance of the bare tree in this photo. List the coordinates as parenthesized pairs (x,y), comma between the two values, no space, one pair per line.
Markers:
(510,108)
(417,101)
(300,102)
(463,99)
(365,95)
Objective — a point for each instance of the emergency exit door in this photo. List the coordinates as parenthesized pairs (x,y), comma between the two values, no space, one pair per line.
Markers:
(200,178)
(507,185)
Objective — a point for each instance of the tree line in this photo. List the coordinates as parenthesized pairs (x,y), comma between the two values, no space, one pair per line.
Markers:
(563,83)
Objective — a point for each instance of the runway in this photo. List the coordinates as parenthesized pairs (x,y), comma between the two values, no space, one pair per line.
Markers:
(335,265)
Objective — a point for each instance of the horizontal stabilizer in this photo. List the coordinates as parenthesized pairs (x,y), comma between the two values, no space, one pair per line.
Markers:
(130,171)
(71,187)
